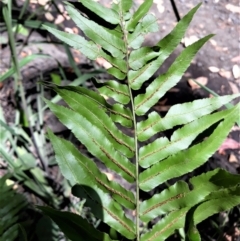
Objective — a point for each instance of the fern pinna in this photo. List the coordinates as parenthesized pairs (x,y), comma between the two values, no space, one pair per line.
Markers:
(116,34)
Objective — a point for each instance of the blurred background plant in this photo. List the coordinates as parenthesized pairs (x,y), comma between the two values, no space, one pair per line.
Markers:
(28,171)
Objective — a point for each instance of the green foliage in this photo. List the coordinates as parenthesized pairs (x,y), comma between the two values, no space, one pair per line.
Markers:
(74,226)
(117,37)
(10,212)
(16,223)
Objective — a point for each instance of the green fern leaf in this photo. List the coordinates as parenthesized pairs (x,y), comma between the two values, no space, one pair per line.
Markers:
(147,25)
(117,38)
(167,226)
(125,5)
(141,56)
(118,112)
(141,12)
(86,47)
(112,214)
(118,64)
(122,142)
(100,10)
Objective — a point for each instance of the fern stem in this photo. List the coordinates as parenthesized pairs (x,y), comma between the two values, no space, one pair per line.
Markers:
(136,162)
(137,222)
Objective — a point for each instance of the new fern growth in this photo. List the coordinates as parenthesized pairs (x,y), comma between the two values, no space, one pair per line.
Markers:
(116,34)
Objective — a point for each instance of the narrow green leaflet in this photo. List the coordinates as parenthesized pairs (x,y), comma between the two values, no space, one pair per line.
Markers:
(218,201)
(81,170)
(170,42)
(139,14)
(100,10)
(159,203)
(166,45)
(113,215)
(88,133)
(180,139)
(46,230)
(147,25)
(125,5)
(162,84)
(136,43)
(138,77)
(180,114)
(166,226)
(74,226)
(116,73)
(187,160)
(119,92)
(98,34)
(141,56)
(88,48)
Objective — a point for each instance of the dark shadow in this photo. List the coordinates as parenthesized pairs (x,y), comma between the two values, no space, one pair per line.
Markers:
(94,203)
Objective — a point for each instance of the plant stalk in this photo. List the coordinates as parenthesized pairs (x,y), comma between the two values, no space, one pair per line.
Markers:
(136,163)
(137,221)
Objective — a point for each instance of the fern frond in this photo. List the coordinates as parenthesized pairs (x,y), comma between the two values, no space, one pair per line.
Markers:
(117,37)
(89,49)
(117,112)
